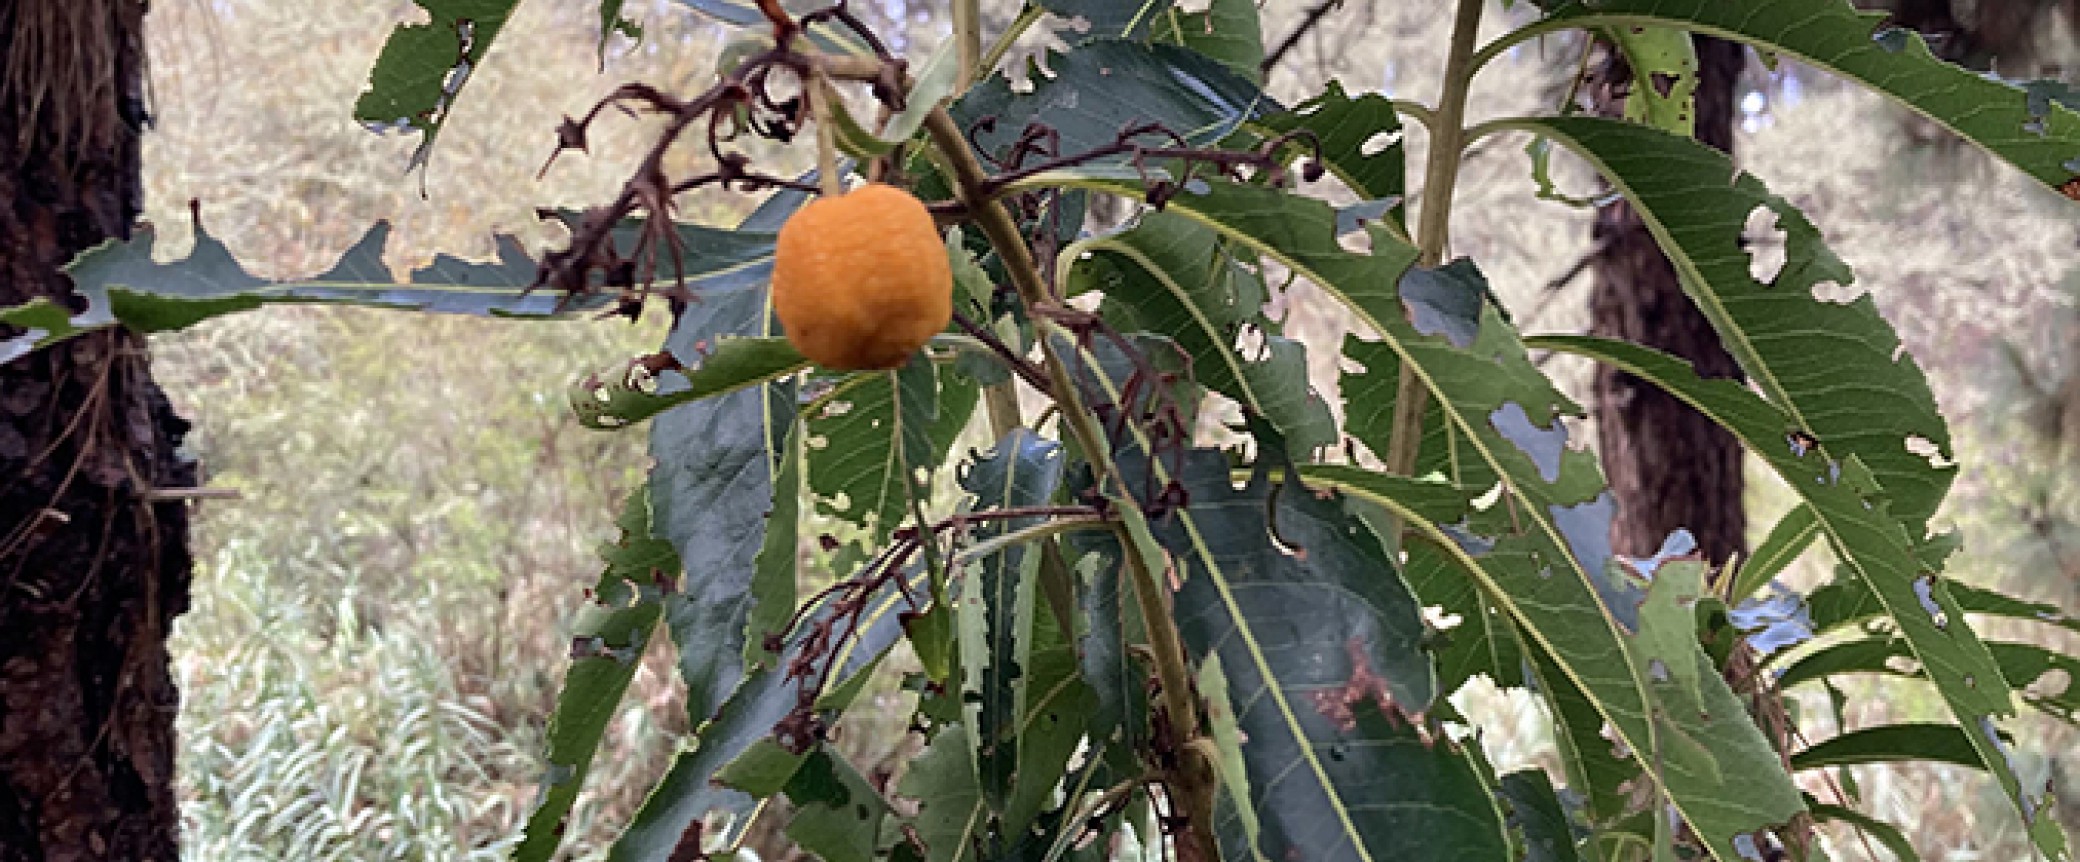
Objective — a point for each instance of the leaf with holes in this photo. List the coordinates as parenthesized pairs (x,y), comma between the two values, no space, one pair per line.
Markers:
(1089,95)
(1855,515)
(1173,276)
(1226,30)
(607,644)
(2039,135)
(1022,471)
(423,68)
(1542,551)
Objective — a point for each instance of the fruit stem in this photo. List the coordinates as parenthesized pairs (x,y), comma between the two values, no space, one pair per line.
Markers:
(820,93)
(1144,559)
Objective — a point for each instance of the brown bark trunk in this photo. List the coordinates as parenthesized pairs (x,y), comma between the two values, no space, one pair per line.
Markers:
(1669,466)
(92,570)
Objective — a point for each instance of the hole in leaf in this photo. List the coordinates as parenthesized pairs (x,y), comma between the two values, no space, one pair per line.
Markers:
(1925,590)
(1927,449)
(1764,241)
(2052,683)
(1379,142)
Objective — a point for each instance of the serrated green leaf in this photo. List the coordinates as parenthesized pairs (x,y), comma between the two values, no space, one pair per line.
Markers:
(867,436)
(838,815)
(1172,276)
(1225,732)
(1664,76)
(2041,136)
(744,724)
(1361,143)
(1855,516)
(630,392)
(611,22)
(1089,95)
(1052,717)
(776,568)
(608,639)
(1023,470)
(1890,743)
(123,285)
(1538,816)
(952,817)
(423,68)
(1789,539)
(1832,368)
(1321,648)
(1886,833)
(712,484)
(1227,30)
(1549,533)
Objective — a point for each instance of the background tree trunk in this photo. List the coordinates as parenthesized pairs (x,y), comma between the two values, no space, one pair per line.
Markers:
(93,561)
(1669,466)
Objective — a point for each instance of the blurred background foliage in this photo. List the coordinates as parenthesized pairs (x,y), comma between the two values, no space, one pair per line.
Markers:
(377,634)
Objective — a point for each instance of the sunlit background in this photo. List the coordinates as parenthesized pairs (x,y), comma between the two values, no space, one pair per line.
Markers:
(377,632)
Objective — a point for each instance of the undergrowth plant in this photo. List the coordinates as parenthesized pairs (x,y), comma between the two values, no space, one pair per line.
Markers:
(1130,638)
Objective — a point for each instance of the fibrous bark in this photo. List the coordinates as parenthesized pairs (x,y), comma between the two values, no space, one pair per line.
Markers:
(94,558)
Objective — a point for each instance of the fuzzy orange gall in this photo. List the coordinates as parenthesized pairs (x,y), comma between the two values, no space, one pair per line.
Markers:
(860,280)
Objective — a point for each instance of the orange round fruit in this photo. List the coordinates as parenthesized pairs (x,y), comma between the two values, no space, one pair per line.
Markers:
(861,280)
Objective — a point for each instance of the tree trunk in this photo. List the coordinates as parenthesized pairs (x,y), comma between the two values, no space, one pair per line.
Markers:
(93,556)
(1669,466)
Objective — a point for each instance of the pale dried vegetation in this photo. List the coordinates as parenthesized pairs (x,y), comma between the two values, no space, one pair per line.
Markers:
(376,635)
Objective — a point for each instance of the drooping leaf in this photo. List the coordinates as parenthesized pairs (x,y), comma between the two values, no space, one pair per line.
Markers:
(1890,743)
(1832,368)
(1549,532)
(1022,471)
(423,68)
(1321,649)
(1536,814)
(629,393)
(1227,30)
(1886,833)
(2024,665)
(1361,143)
(1855,515)
(1089,95)
(743,727)
(1172,276)
(122,285)
(2041,136)
(711,483)
(1846,601)
(607,643)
